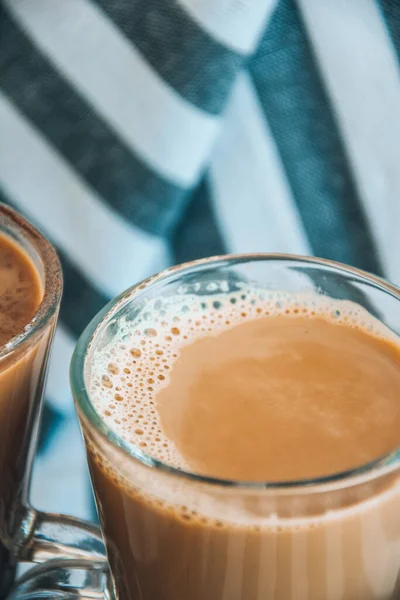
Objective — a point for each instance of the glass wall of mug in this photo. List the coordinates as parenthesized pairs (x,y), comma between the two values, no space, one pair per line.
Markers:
(171,533)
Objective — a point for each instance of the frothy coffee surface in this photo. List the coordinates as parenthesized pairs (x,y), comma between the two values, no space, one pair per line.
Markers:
(20,289)
(253,385)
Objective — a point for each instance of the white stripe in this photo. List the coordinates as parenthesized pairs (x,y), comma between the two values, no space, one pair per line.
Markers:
(253,200)
(110,252)
(173,136)
(362,76)
(58,390)
(237,25)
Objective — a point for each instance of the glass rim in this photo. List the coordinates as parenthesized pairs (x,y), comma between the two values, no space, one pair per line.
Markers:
(53,279)
(371,470)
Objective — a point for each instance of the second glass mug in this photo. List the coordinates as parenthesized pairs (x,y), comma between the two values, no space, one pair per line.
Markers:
(337,537)
(27,534)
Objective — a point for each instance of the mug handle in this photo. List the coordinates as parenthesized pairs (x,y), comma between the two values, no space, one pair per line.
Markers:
(64,579)
(71,555)
(46,536)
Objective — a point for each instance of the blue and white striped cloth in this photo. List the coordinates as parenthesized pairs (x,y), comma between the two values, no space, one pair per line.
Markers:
(141,133)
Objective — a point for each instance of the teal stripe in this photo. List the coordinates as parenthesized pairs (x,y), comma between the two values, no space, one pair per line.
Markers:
(122,179)
(183,54)
(51,420)
(303,123)
(198,234)
(391,15)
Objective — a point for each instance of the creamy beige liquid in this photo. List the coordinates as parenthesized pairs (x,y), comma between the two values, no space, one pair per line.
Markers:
(251,387)
(20,289)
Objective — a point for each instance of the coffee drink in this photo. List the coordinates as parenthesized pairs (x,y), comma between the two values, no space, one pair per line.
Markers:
(22,363)
(249,387)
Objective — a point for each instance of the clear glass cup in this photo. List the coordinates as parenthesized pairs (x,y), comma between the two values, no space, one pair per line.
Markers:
(336,537)
(25,533)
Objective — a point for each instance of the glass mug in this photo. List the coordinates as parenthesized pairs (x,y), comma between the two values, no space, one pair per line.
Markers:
(335,538)
(25,533)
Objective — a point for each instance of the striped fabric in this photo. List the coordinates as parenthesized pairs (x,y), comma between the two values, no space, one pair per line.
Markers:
(141,133)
